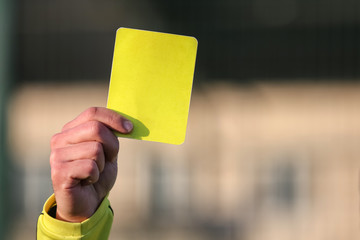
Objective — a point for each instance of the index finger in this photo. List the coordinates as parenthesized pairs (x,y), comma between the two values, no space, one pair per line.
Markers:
(106,116)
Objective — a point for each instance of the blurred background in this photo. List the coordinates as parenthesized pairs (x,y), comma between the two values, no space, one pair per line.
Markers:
(273,141)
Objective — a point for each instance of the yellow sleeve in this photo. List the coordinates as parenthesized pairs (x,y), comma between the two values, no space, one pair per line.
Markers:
(96,227)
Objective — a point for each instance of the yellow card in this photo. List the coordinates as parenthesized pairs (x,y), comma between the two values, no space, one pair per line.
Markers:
(151,82)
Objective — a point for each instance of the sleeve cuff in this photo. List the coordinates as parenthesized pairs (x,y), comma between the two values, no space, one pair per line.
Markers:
(96,227)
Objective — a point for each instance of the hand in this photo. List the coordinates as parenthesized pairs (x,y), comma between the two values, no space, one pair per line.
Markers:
(84,162)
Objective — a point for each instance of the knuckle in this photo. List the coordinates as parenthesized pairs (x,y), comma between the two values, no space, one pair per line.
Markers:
(54,156)
(56,172)
(54,140)
(96,128)
(66,126)
(90,113)
(91,169)
(97,148)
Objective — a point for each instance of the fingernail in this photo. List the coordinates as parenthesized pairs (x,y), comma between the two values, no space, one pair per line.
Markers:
(128,125)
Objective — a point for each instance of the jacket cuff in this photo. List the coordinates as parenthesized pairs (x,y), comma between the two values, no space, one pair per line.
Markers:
(98,225)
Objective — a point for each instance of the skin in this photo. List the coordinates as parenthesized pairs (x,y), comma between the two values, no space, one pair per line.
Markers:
(83,162)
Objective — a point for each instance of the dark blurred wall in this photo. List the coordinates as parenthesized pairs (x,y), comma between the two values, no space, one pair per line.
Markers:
(74,40)
(241,40)
(6,77)
(271,39)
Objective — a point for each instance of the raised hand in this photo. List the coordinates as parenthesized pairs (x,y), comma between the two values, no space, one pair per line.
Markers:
(84,162)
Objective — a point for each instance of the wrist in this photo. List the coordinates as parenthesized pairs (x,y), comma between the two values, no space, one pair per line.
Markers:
(74,210)
(72,219)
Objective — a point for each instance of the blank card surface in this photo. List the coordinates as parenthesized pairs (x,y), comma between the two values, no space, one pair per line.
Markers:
(151,81)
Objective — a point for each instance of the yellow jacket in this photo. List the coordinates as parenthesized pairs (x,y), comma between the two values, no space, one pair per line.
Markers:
(96,227)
